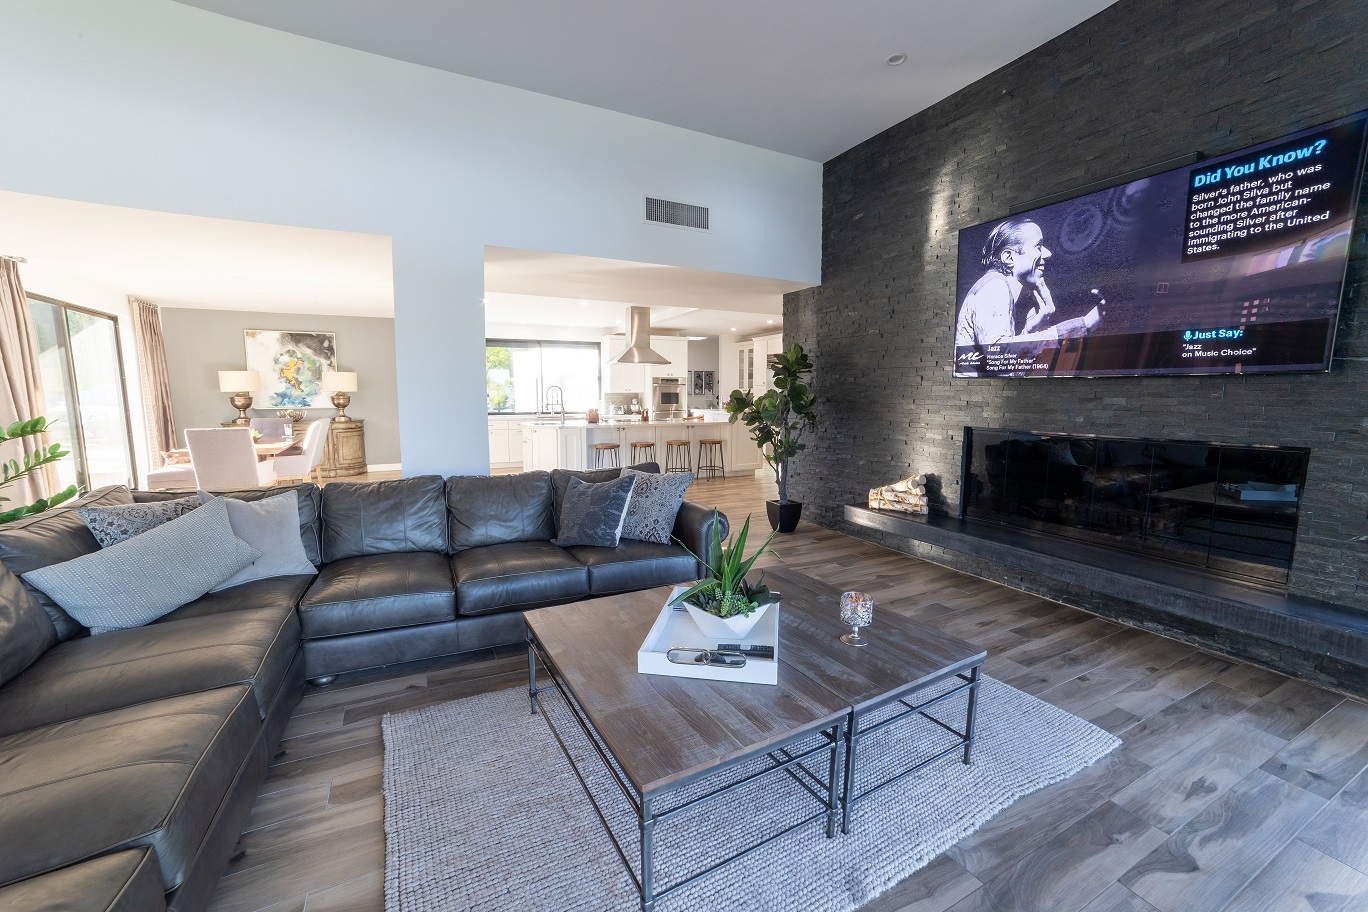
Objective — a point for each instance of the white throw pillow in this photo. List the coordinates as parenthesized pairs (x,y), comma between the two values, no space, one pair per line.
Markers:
(271,526)
(134,582)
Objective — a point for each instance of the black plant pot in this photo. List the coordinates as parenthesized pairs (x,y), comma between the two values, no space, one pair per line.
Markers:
(784,517)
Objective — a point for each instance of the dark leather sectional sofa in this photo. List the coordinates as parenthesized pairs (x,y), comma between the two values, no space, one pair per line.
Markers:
(129,761)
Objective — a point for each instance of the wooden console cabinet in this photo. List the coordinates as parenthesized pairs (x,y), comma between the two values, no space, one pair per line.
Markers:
(344,451)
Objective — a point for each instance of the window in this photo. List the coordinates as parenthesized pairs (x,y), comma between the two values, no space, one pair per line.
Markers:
(519,372)
(83,383)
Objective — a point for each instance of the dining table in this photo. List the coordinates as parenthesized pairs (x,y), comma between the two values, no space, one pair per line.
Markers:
(266,448)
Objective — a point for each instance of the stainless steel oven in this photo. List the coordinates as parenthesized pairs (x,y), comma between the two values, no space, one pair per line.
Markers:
(667,398)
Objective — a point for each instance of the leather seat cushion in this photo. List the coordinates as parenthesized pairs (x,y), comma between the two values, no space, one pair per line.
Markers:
(149,775)
(276,592)
(127,881)
(516,576)
(635,565)
(378,592)
(127,667)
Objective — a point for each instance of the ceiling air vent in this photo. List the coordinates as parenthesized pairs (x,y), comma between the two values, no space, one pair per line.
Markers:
(680,215)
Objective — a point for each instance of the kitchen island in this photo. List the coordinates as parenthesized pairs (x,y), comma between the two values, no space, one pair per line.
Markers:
(548,444)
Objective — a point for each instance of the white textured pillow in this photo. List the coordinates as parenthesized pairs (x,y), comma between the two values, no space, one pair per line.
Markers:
(134,582)
(271,525)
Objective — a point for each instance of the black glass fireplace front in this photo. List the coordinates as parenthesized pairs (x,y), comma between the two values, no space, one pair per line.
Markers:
(1226,509)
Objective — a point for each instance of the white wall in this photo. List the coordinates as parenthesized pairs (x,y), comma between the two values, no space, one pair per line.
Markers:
(151,104)
(51,281)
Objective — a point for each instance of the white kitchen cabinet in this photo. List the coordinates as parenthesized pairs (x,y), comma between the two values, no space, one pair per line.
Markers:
(677,351)
(766,347)
(505,441)
(622,378)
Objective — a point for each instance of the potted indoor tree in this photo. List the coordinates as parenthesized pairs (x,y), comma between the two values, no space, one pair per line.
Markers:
(724,604)
(778,419)
(12,470)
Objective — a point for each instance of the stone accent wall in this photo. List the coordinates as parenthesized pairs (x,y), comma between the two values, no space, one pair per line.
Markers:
(1142,82)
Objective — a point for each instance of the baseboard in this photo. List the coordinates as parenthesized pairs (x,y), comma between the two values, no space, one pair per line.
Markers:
(385,467)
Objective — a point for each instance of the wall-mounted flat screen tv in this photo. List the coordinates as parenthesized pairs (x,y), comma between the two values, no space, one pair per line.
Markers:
(1232,265)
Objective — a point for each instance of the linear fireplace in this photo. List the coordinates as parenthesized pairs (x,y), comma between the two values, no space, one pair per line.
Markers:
(1228,510)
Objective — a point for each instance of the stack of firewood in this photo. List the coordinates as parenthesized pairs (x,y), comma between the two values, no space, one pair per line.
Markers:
(906,496)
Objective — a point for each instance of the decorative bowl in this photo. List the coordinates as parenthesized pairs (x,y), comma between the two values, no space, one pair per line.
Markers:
(726,629)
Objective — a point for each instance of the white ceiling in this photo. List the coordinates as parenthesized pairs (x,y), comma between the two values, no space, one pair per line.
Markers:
(806,77)
(207,263)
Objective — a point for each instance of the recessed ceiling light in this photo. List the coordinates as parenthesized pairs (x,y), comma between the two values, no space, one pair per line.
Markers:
(896,60)
(733,329)
(770,322)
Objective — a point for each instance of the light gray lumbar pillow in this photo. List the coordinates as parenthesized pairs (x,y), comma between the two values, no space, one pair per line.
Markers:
(111,525)
(270,525)
(655,504)
(593,513)
(137,581)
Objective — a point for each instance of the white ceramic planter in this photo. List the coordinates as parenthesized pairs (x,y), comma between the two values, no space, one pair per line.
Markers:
(726,630)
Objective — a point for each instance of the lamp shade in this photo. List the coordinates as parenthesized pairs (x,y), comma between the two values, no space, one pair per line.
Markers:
(338,381)
(239,381)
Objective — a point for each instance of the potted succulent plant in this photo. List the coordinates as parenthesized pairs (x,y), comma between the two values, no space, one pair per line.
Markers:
(592,416)
(724,604)
(777,420)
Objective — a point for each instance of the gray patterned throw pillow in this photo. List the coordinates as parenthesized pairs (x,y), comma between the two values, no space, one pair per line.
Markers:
(111,525)
(655,504)
(592,514)
(137,581)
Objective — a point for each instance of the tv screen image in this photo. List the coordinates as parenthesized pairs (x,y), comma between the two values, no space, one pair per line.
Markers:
(1231,265)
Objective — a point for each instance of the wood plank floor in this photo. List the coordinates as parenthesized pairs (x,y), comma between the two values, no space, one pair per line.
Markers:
(1236,788)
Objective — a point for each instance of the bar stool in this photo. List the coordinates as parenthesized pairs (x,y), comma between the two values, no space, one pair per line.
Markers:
(678,457)
(708,451)
(639,454)
(601,453)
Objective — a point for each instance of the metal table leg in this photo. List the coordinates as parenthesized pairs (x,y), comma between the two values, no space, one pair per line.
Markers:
(848,786)
(532,673)
(973,702)
(647,824)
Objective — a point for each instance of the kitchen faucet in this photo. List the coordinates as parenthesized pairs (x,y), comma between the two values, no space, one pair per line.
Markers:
(558,401)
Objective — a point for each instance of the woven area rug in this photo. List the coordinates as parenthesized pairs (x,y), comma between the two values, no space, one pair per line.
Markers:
(483,812)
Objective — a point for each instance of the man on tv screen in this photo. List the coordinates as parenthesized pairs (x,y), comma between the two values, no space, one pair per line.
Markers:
(1006,316)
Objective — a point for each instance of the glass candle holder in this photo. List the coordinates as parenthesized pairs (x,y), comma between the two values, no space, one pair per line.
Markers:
(857,610)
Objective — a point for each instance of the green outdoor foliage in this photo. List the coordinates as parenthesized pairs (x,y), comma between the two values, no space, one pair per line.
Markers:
(498,377)
(725,592)
(13,469)
(779,418)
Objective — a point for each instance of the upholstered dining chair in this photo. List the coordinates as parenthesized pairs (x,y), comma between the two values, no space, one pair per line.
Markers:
(224,458)
(271,428)
(311,460)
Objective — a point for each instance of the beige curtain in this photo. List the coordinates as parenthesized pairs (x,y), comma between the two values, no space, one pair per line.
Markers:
(156,382)
(21,385)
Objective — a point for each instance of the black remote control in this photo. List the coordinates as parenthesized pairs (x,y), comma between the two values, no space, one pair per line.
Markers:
(753,652)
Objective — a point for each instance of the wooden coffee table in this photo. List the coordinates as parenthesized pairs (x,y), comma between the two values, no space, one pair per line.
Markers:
(879,680)
(658,734)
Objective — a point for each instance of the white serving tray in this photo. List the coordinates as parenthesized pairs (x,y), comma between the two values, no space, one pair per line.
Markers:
(675,628)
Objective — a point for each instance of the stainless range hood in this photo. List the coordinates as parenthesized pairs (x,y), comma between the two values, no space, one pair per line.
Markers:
(639,349)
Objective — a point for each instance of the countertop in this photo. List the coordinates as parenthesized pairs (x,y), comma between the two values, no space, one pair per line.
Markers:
(619,425)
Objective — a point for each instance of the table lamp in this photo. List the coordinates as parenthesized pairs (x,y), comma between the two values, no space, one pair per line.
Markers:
(339,383)
(241,384)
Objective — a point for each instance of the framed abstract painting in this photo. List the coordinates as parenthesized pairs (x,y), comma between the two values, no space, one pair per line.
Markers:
(291,365)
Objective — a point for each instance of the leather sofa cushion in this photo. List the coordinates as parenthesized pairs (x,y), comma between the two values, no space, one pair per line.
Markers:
(384,517)
(26,632)
(276,592)
(378,592)
(52,538)
(308,498)
(149,775)
(127,881)
(498,509)
(635,565)
(516,576)
(126,667)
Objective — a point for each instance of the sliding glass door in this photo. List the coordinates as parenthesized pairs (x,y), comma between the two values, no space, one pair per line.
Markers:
(83,382)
